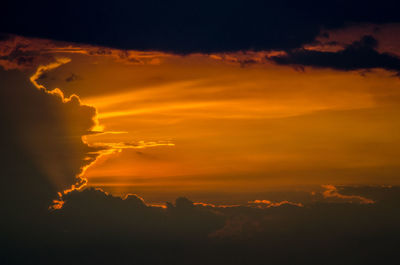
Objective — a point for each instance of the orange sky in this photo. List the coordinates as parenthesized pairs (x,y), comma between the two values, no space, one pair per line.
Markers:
(203,123)
(217,123)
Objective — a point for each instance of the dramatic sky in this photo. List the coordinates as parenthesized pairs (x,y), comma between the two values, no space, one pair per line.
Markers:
(230,122)
(248,114)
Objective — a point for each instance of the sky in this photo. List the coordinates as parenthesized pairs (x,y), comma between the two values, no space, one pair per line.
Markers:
(169,127)
(230,122)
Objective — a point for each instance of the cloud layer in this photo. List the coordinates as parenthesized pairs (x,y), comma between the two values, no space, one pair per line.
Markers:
(181,26)
(360,54)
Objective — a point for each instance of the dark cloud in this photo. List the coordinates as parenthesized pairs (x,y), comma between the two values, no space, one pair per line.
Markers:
(17,58)
(96,228)
(42,150)
(21,53)
(360,54)
(92,211)
(72,77)
(187,26)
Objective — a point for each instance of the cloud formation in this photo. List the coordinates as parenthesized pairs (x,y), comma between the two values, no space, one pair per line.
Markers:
(18,52)
(184,27)
(268,203)
(42,151)
(332,192)
(360,54)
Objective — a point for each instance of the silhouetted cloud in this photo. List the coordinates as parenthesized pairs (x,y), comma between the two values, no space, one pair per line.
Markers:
(42,149)
(18,52)
(72,77)
(360,54)
(182,26)
(93,211)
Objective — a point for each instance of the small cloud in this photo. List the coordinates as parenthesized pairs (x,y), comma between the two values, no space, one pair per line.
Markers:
(72,77)
(267,203)
(332,192)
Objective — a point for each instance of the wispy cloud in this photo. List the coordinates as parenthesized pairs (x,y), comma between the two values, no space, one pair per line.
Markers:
(332,192)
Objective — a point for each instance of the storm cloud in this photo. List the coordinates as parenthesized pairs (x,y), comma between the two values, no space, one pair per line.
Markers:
(184,27)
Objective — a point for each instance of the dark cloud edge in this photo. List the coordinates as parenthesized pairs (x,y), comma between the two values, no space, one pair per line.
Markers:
(359,55)
(187,27)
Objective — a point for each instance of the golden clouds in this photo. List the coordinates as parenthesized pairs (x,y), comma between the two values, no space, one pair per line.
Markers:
(332,192)
(238,127)
(228,121)
(268,204)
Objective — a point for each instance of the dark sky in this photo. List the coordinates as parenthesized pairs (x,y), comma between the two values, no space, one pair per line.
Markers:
(190,26)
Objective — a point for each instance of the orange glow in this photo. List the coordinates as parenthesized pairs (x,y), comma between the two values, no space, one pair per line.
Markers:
(226,122)
(332,192)
(267,203)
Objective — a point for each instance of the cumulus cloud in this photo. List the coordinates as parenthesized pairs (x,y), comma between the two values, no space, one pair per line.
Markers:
(41,137)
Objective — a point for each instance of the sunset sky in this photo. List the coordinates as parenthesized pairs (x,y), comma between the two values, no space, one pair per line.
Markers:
(229,122)
(248,115)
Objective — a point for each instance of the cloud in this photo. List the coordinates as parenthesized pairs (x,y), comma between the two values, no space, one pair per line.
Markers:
(92,211)
(267,203)
(23,53)
(207,27)
(360,54)
(41,138)
(332,192)
(118,147)
(73,77)
(94,220)
(16,55)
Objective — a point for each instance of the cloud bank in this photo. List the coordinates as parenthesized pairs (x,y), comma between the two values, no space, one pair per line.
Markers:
(360,54)
(183,27)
